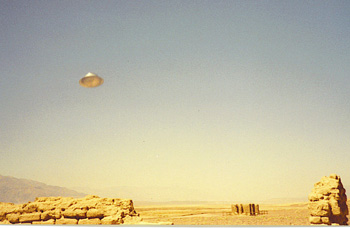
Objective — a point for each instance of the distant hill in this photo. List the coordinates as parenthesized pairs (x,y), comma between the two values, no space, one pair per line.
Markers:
(15,190)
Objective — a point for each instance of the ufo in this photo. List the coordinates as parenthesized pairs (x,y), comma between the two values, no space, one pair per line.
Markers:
(91,80)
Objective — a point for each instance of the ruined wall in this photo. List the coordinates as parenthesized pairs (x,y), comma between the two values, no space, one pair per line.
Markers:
(327,202)
(246,209)
(67,210)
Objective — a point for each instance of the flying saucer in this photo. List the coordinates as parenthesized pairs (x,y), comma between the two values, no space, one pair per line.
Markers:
(91,80)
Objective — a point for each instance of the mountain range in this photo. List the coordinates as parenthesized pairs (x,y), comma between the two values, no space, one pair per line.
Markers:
(15,190)
(18,190)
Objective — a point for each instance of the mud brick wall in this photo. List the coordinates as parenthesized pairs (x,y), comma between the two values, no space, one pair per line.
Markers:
(327,202)
(66,210)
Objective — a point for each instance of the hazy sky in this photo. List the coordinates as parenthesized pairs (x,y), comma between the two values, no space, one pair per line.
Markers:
(226,100)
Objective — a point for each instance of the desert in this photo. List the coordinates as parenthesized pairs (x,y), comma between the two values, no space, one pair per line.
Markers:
(293,214)
(164,214)
(174,112)
(327,205)
(288,214)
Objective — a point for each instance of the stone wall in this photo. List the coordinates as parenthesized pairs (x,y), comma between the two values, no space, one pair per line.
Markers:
(327,202)
(66,210)
(245,209)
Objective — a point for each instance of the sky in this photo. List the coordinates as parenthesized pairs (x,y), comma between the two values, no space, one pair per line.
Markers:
(202,100)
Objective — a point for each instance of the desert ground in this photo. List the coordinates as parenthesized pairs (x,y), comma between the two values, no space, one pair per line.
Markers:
(283,214)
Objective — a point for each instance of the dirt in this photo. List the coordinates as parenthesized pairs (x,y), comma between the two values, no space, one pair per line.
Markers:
(288,214)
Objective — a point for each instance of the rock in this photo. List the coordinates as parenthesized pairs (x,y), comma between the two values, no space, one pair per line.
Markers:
(48,222)
(95,221)
(66,203)
(88,197)
(328,202)
(87,204)
(319,208)
(66,210)
(325,220)
(80,214)
(74,213)
(334,176)
(69,213)
(315,220)
(18,209)
(44,216)
(28,218)
(5,222)
(2,215)
(128,206)
(40,199)
(66,221)
(55,214)
(94,213)
(111,220)
(84,205)
(336,210)
(111,211)
(131,219)
(13,218)
(30,207)
(312,197)
(45,207)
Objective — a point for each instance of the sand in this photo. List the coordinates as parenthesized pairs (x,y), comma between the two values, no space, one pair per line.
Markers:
(284,214)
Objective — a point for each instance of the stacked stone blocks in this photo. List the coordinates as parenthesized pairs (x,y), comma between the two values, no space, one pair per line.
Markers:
(66,210)
(327,202)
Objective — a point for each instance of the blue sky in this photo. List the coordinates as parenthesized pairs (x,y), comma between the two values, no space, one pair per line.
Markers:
(228,100)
